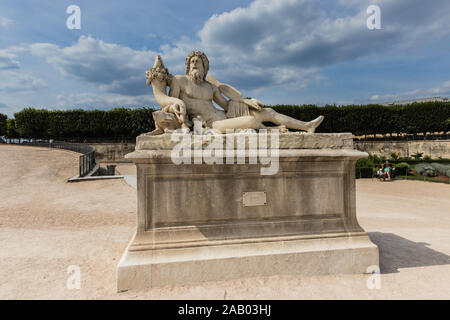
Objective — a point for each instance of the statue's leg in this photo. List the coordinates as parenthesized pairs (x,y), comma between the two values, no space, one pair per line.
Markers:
(270,115)
(245,122)
(156,131)
(164,120)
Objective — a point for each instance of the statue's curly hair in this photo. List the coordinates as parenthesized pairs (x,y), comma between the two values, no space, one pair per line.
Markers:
(204,60)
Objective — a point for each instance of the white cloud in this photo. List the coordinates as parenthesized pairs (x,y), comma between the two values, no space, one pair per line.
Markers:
(8,60)
(8,110)
(5,22)
(442,89)
(114,68)
(278,42)
(103,100)
(12,81)
(269,43)
(118,69)
(411,94)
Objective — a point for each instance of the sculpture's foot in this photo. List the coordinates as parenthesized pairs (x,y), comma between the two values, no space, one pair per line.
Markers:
(283,129)
(314,124)
(169,130)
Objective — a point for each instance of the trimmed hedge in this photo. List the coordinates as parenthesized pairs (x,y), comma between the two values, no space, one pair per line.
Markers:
(3,119)
(364,172)
(375,119)
(129,123)
(401,169)
(79,124)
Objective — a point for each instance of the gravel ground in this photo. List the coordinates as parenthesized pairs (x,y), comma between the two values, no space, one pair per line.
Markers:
(47,225)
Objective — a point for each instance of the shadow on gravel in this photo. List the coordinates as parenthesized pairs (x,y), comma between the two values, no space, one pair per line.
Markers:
(397,252)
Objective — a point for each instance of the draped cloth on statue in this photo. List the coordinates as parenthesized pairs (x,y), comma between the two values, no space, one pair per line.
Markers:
(237,109)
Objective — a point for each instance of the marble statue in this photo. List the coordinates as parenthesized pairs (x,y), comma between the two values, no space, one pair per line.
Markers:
(191,97)
(246,213)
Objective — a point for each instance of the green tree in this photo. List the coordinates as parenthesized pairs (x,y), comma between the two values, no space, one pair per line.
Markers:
(3,119)
(11,130)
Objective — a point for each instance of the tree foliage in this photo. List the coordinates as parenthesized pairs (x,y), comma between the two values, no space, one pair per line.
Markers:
(3,118)
(11,131)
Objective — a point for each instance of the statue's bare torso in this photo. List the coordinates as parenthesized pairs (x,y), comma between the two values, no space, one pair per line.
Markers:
(198,98)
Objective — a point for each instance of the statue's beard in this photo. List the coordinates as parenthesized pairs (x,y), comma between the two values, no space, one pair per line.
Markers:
(196,76)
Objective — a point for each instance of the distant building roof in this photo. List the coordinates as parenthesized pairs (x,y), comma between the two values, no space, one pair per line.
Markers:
(405,102)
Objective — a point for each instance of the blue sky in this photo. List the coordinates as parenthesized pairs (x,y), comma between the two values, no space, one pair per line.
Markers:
(279,51)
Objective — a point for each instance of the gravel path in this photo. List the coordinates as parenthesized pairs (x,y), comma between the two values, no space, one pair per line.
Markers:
(47,225)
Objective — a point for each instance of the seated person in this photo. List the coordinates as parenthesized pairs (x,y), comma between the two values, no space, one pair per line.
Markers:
(379,171)
(387,171)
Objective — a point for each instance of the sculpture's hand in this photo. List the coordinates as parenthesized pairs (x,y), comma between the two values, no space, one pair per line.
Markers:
(178,106)
(254,103)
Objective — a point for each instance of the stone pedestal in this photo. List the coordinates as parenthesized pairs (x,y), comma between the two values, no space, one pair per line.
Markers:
(208,222)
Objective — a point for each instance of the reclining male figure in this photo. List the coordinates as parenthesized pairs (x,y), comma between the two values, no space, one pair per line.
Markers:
(198,94)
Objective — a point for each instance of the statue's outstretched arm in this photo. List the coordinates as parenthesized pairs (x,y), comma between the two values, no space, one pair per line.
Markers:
(219,99)
(233,94)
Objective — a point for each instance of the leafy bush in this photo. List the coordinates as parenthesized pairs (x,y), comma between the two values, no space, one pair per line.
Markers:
(394,156)
(417,155)
(401,169)
(444,169)
(364,172)
(425,169)
(3,118)
(371,161)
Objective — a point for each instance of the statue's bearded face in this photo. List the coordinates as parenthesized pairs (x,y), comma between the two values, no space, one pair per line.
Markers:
(196,70)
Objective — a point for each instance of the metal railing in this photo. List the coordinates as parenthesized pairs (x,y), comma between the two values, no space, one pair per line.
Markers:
(86,160)
(87,163)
